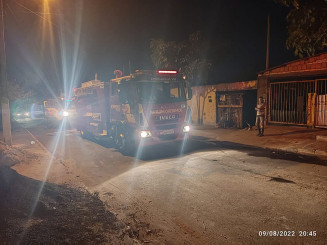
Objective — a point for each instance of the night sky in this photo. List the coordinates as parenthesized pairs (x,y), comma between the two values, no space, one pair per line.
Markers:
(103,35)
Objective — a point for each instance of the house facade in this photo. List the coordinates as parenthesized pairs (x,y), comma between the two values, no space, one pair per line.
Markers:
(224,105)
(296,92)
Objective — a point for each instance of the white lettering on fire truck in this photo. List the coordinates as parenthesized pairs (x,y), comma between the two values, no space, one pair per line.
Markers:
(166,111)
(167,117)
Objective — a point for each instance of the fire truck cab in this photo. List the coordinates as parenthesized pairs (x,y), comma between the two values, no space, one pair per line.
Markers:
(144,108)
(56,109)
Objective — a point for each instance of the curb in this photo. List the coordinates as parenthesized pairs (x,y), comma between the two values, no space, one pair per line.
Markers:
(321,154)
(318,154)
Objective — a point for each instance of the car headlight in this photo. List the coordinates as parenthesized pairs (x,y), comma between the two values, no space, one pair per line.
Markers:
(65,113)
(26,114)
(186,129)
(18,114)
(145,134)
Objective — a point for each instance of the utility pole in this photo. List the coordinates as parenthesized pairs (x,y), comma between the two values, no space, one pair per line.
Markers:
(268,43)
(6,124)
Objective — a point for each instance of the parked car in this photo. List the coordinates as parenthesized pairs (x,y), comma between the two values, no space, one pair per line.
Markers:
(21,113)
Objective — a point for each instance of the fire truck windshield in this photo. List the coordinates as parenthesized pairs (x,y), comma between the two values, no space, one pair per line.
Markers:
(53,103)
(161,92)
(57,103)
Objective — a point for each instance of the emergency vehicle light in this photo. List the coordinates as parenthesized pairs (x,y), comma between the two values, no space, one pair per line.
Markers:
(186,128)
(166,72)
(65,113)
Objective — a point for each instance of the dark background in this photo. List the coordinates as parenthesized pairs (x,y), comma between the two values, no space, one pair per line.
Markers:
(103,35)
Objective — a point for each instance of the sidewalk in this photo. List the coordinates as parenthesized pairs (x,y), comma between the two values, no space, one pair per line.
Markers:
(299,140)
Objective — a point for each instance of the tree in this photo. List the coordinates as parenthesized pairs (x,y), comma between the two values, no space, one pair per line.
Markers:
(18,96)
(188,57)
(164,54)
(307,26)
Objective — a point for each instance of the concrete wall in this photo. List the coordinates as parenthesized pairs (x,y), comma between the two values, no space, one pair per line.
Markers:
(203,103)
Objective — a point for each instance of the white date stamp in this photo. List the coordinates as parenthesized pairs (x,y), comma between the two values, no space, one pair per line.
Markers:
(287,233)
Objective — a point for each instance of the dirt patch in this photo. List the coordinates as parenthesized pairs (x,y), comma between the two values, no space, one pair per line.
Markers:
(36,211)
(10,155)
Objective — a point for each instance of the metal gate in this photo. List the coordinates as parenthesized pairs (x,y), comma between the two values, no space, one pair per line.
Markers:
(321,104)
(298,102)
(229,110)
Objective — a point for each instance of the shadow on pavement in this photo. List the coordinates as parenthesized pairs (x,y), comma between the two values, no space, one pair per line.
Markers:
(306,131)
(271,153)
(200,143)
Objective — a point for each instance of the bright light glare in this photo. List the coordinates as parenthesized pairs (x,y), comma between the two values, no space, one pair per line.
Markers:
(145,134)
(186,129)
(26,113)
(69,58)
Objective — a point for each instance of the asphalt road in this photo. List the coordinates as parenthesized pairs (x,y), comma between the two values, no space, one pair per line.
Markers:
(201,192)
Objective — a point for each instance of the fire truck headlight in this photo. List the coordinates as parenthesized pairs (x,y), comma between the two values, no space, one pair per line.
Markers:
(65,113)
(145,134)
(186,129)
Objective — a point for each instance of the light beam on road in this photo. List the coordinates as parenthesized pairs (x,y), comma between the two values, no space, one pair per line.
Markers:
(45,177)
(71,67)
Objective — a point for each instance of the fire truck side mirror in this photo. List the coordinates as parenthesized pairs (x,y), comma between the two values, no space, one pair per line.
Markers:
(189,93)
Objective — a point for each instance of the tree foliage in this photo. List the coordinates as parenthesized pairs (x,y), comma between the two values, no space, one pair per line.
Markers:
(17,92)
(19,97)
(188,57)
(307,26)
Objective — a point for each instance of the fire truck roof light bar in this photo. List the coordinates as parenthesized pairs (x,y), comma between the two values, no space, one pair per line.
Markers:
(166,72)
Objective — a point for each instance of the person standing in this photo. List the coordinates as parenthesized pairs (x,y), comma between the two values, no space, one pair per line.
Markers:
(260,118)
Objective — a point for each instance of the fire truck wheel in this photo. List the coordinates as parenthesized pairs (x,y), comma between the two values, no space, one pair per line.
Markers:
(117,140)
(125,144)
(84,134)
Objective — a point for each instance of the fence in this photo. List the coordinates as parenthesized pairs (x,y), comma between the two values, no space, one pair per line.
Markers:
(298,102)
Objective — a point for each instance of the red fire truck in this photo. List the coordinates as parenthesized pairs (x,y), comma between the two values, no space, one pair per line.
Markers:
(56,109)
(144,108)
